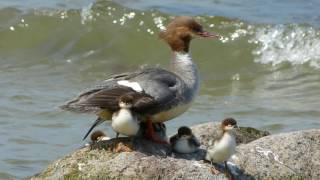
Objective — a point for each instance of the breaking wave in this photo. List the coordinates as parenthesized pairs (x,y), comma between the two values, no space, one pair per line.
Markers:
(292,44)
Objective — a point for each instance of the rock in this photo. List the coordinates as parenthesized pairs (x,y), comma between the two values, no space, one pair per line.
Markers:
(147,161)
(289,155)
(294,155)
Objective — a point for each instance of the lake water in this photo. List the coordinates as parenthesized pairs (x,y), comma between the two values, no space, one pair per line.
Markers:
(264,72)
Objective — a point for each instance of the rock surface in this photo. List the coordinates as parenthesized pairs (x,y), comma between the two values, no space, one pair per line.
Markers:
(293,155)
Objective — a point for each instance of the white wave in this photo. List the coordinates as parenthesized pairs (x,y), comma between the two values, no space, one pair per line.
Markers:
(287,43)
(86,14)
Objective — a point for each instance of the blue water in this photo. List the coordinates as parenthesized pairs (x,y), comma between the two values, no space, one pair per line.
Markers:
(271,11)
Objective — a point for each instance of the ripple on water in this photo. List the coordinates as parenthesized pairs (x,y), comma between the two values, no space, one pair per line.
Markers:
(52,125)
(26,141)
(25,162)
(21,97)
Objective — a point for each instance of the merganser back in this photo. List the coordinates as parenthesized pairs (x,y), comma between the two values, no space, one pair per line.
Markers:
(159,94)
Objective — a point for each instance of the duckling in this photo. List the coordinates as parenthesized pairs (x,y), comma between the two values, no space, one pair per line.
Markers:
(125,121)
(99,136)
(184,141)
(225,146)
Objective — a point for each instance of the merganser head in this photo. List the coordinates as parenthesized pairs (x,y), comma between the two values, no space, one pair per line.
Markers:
(126,101)
(180,32)
(229,124)
(184,132)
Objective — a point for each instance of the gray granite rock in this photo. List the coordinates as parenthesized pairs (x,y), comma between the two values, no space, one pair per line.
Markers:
(108,160)
(294,155)
(285,156)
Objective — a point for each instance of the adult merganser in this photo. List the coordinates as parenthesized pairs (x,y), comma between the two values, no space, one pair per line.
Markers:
(184,141)
(225,146)
(159,94)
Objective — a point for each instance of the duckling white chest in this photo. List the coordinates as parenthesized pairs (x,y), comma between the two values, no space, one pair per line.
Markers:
(222,150)
(124,122)
(183,146)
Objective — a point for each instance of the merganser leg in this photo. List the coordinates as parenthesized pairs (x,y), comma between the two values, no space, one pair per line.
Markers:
(228,172)
(150,134)
(213,169)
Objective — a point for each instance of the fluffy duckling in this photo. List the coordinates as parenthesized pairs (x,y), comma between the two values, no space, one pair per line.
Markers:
(184,141)
(125,121)
(225,146)
(99,136)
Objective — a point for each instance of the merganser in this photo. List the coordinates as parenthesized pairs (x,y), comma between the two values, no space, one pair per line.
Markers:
(159,94)
(225,146)
(124,121)
(184,141)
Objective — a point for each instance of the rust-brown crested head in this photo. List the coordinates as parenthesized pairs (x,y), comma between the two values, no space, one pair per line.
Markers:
(228,124)
(180,32)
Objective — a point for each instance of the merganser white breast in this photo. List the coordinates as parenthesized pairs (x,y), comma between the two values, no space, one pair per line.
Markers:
(159,94)
(184,141)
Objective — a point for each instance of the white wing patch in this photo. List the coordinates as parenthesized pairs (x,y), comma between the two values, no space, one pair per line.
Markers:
(134,85)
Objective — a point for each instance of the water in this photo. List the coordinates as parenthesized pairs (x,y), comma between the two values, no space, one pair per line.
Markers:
(264,72)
